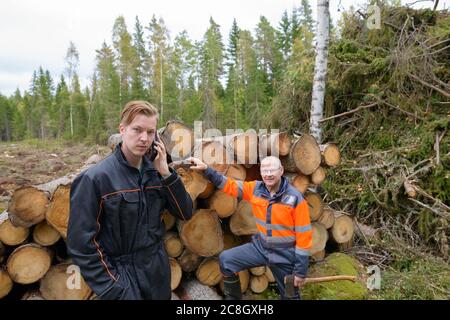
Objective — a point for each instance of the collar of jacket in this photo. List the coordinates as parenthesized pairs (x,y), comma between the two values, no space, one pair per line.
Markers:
(283,187)
(148,165)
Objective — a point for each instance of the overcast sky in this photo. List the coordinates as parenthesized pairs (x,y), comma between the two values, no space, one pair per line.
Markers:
(37,33)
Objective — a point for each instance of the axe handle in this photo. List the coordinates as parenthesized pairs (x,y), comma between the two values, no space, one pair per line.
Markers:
(330,278)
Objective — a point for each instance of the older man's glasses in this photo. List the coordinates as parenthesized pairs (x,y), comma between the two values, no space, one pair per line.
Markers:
(269,172)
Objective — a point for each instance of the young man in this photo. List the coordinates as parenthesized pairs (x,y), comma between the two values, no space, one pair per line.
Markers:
(115,227)
(282,219)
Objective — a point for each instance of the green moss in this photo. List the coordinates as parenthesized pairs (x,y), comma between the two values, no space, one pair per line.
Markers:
(335,264)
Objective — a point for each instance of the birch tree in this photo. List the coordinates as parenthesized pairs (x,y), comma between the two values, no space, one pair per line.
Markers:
(320,69)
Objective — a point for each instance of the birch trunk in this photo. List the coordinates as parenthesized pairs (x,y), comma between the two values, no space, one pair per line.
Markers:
(320,68)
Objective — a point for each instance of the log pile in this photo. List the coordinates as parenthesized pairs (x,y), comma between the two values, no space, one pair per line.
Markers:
(33,259)
(34,228)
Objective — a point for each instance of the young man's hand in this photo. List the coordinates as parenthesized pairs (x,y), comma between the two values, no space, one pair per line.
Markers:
(160,161)
(198,164)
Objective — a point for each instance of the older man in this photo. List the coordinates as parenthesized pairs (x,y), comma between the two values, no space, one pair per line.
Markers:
(282,219)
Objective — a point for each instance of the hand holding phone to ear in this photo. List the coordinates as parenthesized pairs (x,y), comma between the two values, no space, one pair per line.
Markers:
(160,161)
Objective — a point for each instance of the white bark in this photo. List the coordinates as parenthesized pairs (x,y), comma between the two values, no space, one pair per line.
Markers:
(320,68)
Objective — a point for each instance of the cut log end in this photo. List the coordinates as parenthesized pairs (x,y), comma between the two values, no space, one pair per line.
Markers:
(6,283)
(45,235)
(11,235)
(27,206)
(176,273)
(306,154)
(318,176)
(178,140)
(242,221)
(64,282)
(224,204)
(28,263)
(301,183)
(189,261)
(315,204)
(327,218)
(173,244)
(57,214)
(202,234)
(331,154)
(208,272)
(258,271)
(259,284)
(319,238)
(342,230)
(194,182)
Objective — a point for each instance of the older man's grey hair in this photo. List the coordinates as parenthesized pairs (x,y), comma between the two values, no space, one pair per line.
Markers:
(271,160)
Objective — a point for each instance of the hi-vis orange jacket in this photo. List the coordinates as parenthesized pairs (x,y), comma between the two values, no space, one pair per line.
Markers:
(282,220)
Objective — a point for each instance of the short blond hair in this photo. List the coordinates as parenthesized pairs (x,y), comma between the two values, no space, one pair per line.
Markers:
(133,108)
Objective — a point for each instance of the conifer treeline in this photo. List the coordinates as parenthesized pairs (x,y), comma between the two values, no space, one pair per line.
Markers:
(237,82)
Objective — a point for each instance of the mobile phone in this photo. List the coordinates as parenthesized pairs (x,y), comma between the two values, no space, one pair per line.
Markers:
(152,152)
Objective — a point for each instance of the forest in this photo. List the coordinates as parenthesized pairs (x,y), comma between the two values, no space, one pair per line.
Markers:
(386,106)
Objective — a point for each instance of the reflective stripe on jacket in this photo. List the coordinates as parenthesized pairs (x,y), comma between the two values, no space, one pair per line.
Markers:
(282,220)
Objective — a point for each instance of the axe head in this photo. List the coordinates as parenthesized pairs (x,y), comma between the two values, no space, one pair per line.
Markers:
(289,288)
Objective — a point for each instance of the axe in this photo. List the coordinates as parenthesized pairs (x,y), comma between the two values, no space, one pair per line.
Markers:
(290,288)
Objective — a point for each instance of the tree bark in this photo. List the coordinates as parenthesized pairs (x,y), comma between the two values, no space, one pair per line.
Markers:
(320,68)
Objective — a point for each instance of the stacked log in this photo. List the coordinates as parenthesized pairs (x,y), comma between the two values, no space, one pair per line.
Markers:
(32,253)
(37,216)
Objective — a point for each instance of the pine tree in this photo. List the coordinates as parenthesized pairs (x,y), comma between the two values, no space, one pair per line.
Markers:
(72,60)
(295,25)
(159,39)
(108,88)
(5,119)
(211,70)
(18,122)
(79,110)
(268,54)
(233,83)
(255,90)
(184,60)
(126,58)
(62,109)
(284,35)
(139,80)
